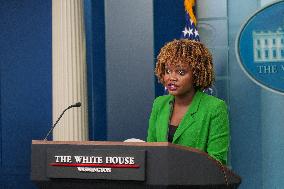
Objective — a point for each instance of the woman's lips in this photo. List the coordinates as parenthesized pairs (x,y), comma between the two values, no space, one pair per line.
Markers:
(172,87)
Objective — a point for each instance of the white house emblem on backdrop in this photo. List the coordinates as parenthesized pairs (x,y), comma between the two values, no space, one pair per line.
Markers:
(260,47)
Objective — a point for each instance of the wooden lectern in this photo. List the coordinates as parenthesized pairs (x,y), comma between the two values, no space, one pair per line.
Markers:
(125,165)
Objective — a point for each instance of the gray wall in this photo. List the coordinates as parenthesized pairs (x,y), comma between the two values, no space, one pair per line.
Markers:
(129,65)
(256,114)
(212,19)
(244,103)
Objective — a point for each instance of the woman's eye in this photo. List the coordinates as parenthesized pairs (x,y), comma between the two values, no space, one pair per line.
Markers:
(167,71)
(181,72)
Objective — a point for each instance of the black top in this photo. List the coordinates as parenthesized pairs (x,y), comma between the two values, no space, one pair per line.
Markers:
(172,130)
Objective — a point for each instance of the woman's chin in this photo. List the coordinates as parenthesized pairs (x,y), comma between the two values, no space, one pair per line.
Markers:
(173,92)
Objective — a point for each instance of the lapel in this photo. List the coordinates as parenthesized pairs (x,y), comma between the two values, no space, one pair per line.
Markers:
(164,120)
(189,117)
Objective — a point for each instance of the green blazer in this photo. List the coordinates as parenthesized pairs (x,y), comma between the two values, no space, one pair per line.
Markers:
(205,125)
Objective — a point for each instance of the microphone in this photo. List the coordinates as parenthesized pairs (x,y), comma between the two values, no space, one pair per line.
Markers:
(78,104)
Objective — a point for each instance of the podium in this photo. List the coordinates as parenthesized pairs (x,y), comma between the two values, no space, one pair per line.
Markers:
(94,164)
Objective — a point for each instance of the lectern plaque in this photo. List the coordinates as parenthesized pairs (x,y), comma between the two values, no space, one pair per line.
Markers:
(96,164)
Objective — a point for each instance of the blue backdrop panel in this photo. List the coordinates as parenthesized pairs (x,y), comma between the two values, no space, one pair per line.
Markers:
(25,85)
(95,41)
(169,21)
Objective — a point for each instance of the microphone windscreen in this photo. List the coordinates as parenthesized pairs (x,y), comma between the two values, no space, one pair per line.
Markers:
(78,104)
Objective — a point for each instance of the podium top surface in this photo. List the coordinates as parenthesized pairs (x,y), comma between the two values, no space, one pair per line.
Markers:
(118,143)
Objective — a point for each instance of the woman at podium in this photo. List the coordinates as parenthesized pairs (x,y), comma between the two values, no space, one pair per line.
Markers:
(187,116)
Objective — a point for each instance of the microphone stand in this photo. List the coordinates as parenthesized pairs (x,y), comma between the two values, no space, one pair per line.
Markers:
(78,104)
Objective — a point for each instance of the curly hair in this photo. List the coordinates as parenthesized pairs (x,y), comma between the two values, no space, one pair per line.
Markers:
(193,53)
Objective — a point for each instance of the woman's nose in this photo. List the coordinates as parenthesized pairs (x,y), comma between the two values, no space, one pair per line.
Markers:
(173,76)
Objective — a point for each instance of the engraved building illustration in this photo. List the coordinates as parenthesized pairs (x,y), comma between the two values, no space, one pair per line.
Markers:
(268,46)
